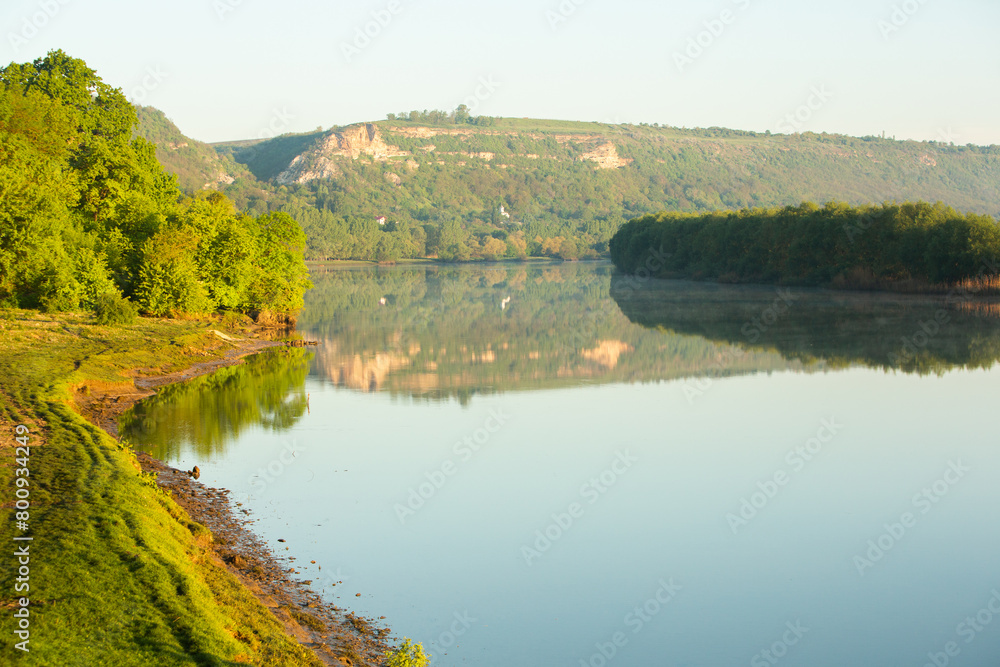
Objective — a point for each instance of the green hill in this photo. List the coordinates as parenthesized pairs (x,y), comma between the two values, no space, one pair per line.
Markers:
(567,186)
(196,164)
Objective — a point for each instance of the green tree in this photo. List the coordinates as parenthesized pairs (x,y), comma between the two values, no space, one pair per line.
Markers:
(88,215)
(169,279)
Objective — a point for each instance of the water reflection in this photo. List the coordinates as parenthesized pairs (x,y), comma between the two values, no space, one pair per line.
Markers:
(206,414)
(437,332)
(918,334)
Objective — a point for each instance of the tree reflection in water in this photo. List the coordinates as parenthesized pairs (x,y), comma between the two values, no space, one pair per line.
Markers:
(207,413)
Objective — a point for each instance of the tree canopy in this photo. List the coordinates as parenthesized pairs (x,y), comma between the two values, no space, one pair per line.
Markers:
(836,244)
(87,211)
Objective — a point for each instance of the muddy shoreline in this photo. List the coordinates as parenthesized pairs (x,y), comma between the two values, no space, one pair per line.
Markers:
(335,636)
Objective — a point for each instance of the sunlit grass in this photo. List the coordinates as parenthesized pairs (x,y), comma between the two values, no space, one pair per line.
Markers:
(120,575)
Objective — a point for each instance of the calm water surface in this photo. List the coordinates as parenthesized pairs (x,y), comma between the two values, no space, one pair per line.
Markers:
(549,465)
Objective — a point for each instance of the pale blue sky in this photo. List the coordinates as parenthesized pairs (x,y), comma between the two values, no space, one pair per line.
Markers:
(232,69)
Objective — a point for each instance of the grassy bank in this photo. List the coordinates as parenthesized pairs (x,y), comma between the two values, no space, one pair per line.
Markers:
(119,574)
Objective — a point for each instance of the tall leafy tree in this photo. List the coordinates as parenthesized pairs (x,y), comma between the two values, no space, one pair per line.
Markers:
(87,211)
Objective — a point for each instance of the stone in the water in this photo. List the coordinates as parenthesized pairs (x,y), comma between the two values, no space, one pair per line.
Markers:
(195,472)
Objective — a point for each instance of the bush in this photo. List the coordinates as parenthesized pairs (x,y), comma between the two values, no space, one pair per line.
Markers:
(113,310)
(408,655)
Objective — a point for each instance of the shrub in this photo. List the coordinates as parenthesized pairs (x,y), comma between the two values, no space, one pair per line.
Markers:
(407,655)
(113,310)
(233,321)
(168,276)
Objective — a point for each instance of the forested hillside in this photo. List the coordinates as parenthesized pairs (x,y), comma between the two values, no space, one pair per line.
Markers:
(441,179)
(197,165)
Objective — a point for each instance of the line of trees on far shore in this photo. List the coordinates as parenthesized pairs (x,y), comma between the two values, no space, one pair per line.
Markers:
(832,245)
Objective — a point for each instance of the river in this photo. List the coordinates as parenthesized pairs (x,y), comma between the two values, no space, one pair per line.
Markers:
(548,464)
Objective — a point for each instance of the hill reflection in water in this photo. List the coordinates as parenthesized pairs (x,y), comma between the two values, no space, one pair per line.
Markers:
(433,332)
(436,332)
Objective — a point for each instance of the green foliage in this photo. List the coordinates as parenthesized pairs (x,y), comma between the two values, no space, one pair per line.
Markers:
(112,310)
(561,204)
(407,655)
(233,321)
(460,116)
(87,210)
(281,277)
(810,245)
(100,110)
(169,280)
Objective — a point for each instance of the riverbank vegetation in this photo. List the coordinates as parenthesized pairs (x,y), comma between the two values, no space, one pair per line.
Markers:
(87,214)
(119,574)
(911,246)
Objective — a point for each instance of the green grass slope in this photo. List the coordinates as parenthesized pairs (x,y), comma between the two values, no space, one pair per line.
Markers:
(119,574)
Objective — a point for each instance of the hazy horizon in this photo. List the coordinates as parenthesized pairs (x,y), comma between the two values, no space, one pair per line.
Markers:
(225,70)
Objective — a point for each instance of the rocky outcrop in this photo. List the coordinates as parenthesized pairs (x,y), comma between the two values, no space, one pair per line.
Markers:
(606,157)
(351,142)
(428,132)
(484,155)
(571,138)
(221,178)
